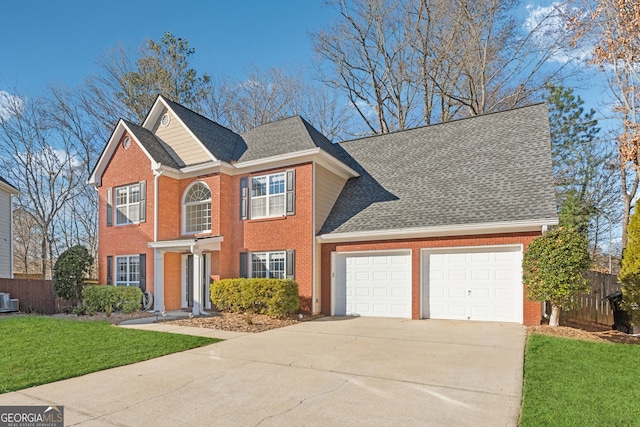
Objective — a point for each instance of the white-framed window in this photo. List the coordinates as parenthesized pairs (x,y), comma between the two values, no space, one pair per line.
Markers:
(128,204)
(127,270)
(196,209)
(268,265)
(268,195)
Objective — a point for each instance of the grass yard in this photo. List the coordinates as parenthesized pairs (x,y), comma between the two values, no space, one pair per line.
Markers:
(37,350)
(569,382)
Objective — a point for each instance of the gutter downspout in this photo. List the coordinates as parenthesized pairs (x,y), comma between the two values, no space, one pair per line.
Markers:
(158,256)
(157,172)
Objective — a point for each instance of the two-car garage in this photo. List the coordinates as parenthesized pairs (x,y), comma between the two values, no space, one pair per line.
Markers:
(469,283)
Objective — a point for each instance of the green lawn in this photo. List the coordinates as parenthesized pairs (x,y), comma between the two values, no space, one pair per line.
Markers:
(38,350)
(569,382)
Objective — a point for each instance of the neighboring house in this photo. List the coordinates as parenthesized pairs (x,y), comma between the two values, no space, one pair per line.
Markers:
(423,223)
(6,228)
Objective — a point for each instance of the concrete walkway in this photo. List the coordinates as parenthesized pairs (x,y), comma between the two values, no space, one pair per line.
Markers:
(333,371)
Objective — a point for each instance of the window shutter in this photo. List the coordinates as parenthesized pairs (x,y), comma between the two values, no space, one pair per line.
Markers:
(143,272)
(244,271)
(109,270)
(244,198)
(143,201)
(109,207)
(291,192)
(291,264)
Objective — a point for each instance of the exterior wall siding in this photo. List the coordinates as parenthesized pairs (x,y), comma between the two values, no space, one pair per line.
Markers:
(6,239)
(328,188)
(531,312)
(180,140)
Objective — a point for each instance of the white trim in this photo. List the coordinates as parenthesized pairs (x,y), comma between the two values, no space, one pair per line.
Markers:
(181,245)
(314,155)
(8,188)
(314,309)
(447,230)
(10,235)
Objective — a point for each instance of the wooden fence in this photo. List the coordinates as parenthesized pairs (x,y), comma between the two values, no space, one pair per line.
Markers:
(35,296)
(594,306)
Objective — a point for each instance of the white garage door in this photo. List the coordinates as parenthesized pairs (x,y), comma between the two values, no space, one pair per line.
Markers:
(372,284)
(473,284)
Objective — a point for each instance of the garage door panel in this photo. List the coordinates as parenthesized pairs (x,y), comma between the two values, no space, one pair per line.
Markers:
(473,283)
(375,284)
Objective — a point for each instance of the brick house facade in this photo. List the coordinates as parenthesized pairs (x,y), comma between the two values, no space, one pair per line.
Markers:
(369,227)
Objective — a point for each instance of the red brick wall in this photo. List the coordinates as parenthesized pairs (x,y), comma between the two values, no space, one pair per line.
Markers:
(270,234)
(532,313)
(125,167)
(172,281)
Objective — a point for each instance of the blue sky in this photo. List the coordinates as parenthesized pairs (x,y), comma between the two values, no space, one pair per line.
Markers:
(59,41)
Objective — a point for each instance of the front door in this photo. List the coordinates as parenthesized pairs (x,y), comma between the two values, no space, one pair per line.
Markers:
(189,282)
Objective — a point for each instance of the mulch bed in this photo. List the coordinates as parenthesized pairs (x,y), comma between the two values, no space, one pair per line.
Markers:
(239,322)
(583,330)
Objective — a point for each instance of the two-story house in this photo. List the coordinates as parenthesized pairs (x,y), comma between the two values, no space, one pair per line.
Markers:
(7,191)
(423,223)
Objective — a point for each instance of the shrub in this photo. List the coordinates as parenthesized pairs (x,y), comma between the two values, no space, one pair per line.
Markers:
(274,297)
(553,269)
(70,271)
(118,298)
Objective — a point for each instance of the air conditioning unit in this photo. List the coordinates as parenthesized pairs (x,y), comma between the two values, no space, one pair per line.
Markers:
(8,304)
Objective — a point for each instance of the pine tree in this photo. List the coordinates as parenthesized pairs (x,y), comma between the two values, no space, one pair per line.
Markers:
(630,273)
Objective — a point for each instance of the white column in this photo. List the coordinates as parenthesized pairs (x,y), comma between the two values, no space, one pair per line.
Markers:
(158,280)
(198,307)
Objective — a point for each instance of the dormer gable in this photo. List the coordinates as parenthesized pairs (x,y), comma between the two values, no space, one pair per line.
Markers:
(193,137)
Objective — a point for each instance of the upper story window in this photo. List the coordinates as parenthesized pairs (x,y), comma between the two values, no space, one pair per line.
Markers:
(197,209)
(268,195)
(128,203)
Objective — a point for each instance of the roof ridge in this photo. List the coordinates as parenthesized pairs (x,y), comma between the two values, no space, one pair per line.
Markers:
(195,113)
(445,123)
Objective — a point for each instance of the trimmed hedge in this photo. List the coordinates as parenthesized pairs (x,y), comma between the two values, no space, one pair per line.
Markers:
(274,297)
(120,298)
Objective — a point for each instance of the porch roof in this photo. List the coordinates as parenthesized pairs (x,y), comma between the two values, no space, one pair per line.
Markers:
(197,244)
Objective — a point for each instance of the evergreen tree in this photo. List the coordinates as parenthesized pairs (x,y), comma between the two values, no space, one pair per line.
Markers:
(630,273)
(70,272)
(583,182)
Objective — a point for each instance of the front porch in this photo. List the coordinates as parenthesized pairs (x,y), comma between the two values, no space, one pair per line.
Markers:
(183,270)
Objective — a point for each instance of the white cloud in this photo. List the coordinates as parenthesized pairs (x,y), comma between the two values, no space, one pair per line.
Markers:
(548,26)
(9,105)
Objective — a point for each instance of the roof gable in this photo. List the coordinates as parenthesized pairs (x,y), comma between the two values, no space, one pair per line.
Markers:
(485,169)
(7,186)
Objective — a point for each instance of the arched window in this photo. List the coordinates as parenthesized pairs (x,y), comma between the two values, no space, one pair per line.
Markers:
(197,209)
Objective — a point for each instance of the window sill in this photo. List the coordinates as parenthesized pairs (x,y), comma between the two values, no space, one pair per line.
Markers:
(268,218)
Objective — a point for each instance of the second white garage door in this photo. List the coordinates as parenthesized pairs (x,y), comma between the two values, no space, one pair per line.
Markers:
(473,284)
(372,284)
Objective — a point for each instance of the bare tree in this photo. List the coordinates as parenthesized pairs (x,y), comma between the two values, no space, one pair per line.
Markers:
(393,58)
(613,28)
(42,162)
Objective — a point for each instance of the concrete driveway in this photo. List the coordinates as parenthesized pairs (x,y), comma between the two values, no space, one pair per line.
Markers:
(334,371)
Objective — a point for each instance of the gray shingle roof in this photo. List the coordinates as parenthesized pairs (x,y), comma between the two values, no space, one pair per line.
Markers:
(280,137)
(485,169)
(223,143)
(154,146)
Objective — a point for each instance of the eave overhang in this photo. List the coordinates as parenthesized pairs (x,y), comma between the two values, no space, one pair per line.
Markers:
(539,225)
